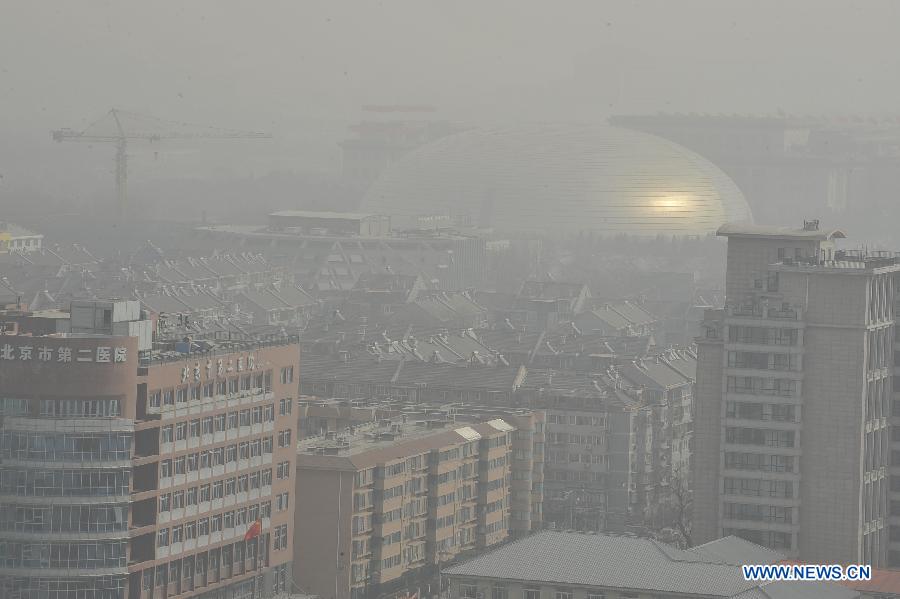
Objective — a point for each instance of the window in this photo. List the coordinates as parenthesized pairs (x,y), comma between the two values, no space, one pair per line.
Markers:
(284,438)
(282,501)
(218,489)
(177,534)
(287,375)
(165,469)
(166,434)
(181,431)
(162,538)
(204,493)
(284,406)
(469,591)
(283,470)
(270,413)
(567,594)
(195,428)
(165,501)
(178,500)
(179,464)
(531,594)
(203,527)
(281,540)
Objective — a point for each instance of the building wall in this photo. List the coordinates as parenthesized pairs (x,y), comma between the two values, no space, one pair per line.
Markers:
(67,435)
(322,534)
(707,455)
(259,392)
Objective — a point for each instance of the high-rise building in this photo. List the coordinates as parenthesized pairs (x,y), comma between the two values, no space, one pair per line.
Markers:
(792,445)
(388,502)
(134,471)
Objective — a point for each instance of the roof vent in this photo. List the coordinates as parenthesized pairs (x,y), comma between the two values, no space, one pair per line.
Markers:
(811,225)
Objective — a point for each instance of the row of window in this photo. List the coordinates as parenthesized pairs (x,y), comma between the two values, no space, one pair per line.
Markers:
(215,490)
(63,518)
(74,555)
(752,385)
(209,458)
(759,436)
(224,387)
(758,513)
(597,420)
(759,461)
(762,335)
(238,518)
(192,429)
(760,411)
(93,587)
(29,482)
(209,567)
(755,487)
(65,447)
(764,360)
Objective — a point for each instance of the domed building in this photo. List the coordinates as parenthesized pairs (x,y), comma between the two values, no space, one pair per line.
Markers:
(560,180)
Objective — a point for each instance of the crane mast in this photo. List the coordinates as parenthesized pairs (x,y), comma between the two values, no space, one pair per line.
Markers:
(119,127)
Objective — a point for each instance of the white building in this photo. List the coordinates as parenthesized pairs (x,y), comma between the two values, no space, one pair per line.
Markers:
(14,238)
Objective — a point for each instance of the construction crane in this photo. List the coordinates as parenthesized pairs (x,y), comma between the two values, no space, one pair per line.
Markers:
(120,127)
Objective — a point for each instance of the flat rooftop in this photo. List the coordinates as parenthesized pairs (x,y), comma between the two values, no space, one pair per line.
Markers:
(804,233)
(323,215)
(403,438)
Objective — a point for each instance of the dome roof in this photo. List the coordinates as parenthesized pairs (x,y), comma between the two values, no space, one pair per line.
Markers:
(561,179)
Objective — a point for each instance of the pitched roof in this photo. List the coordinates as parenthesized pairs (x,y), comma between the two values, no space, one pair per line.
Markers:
(606,561)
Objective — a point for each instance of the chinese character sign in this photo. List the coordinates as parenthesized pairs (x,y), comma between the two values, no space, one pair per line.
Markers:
(63,354)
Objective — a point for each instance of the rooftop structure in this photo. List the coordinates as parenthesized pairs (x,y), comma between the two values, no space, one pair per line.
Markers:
(547,180)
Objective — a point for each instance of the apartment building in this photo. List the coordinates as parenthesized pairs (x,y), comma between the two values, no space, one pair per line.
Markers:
(792,446)
(134,471)
(379,508)
(317,416)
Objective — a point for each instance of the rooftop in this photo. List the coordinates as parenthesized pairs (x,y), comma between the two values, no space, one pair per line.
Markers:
(391,439)
(810,231)
(619,562)
(323,215)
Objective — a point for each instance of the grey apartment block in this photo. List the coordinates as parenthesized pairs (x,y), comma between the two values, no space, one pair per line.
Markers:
(794,382)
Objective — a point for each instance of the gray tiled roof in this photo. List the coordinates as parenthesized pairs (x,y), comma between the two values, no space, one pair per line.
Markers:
(604,561)
(798,590)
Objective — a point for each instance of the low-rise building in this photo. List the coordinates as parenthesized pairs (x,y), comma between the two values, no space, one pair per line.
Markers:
(379,507)
(570,565)
(14,238)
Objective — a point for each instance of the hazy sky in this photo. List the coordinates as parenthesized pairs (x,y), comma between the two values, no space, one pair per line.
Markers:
(302,69)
